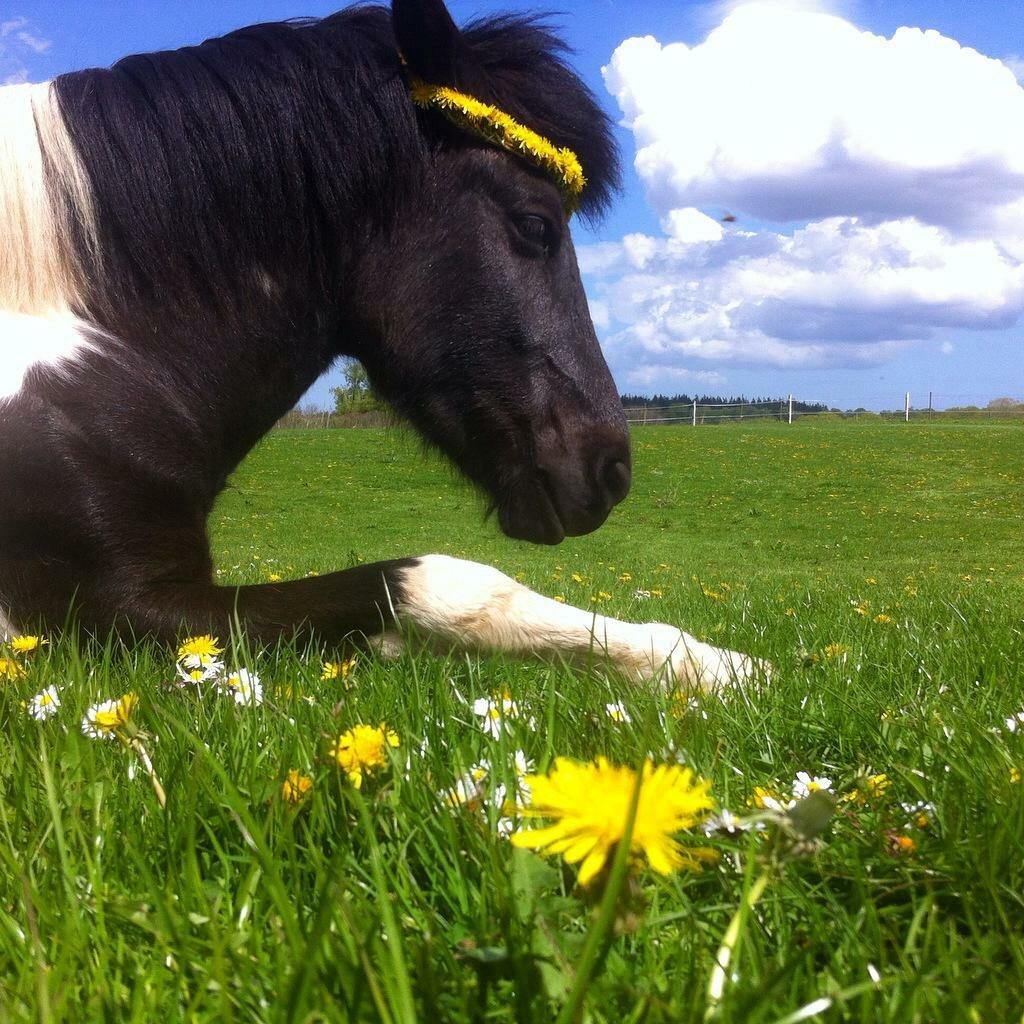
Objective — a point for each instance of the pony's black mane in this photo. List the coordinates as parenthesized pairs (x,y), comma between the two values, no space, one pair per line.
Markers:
(251,151)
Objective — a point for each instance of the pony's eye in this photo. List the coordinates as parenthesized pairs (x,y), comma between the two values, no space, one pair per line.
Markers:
(534,229)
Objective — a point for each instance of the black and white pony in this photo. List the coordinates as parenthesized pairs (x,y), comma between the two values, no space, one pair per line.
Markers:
(190,238)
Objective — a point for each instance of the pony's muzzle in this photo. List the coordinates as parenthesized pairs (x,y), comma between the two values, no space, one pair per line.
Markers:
(574,488)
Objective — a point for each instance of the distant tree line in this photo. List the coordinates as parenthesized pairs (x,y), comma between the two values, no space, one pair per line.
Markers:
(711,408)
(668,401)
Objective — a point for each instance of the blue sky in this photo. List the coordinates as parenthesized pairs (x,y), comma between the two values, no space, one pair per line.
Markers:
(848,279)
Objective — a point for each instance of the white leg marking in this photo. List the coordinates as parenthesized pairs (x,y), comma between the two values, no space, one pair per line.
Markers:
(466,605)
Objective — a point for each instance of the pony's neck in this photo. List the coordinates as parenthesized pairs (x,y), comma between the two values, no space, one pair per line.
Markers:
(261,152)
(233,185)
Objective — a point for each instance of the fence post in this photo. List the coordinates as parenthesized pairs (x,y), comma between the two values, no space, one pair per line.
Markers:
(906,408)
(695,412)
(790,408)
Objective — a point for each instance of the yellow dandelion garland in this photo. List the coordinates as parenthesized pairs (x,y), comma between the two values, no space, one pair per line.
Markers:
(501,129)
(590,805)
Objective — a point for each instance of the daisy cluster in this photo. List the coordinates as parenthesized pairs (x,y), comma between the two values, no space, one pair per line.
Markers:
(199,664)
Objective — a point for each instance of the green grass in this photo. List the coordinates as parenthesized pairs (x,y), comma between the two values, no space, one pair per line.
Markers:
(388,905)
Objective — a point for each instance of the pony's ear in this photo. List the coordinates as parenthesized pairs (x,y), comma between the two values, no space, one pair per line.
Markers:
(427,38)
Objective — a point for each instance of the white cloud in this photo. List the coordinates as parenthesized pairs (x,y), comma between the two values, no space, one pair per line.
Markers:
(18,45)
(836,292)
(790,114)
(1016,64)
(669,378)
(899,162)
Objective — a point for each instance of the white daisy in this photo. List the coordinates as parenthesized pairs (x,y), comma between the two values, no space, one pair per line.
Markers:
(1014,722)
(44,705)
(200,668)
(492,711)
(804,784)
(244,686)
(617,712)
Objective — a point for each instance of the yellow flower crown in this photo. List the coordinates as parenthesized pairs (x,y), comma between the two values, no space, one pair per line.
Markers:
(497,127)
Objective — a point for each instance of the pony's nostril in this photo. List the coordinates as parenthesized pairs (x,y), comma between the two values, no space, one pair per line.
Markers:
(616,477)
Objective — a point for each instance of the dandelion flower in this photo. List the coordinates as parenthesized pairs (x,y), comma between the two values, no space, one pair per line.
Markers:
(362,750)
(204,646)
(590,804)
(883,619)
(835,652)
(45,704)
(10,669)
(27,644)
(243,686)
(295,787)
(903,845)
(108,719)
(338,669)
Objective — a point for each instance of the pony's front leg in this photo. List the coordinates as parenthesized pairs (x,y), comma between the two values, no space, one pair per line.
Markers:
(460,605)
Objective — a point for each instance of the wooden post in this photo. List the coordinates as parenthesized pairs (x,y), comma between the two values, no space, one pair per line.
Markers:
(906,408)
(790,408)
(695,412)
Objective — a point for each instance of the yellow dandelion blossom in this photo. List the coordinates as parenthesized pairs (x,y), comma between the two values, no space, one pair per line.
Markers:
(204,646)
(27,644)
(590,804)
(836,651)
(883,619)
(295,787)
(338,669)
(903,844)
(362,750)
(10,669)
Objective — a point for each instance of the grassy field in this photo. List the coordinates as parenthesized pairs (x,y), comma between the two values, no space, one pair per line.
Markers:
(879,567)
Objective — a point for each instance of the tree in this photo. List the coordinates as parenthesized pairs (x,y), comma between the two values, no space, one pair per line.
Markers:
(357,394)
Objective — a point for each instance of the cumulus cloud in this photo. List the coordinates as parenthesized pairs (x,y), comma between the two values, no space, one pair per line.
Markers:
(836,292)
(789,114)
(894,167)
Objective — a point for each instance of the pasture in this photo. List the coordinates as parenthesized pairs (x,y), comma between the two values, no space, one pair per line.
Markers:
(879,568)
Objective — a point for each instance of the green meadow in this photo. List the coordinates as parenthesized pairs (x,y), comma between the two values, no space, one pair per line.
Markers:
(878,567)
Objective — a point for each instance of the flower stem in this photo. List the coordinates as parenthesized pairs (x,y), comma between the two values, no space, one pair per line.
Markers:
(731,941)
(140,749)
(596,945)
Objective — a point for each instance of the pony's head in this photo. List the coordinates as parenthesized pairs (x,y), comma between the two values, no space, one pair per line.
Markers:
(473,319)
